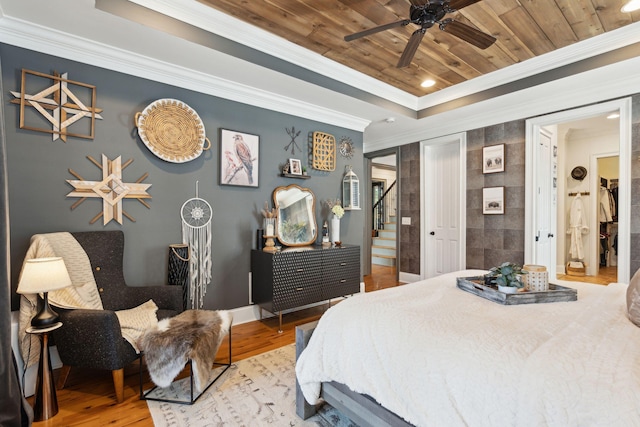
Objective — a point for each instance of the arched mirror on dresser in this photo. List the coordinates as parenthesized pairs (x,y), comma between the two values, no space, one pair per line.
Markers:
(296,223)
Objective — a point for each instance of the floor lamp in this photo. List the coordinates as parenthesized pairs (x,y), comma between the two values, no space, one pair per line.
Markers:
(42,275)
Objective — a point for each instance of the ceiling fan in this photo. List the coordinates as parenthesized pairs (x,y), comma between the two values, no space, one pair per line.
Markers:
(427,13)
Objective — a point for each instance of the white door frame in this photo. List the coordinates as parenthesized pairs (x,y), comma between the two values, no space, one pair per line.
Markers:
(624,193)
(594,224)
(426,191)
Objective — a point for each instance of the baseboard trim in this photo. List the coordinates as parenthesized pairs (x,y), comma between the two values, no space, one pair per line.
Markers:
(408,277)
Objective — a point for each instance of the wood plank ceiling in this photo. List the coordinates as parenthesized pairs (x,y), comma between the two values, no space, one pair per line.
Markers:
(523,28)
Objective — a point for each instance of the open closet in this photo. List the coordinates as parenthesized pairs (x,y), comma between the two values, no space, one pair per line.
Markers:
(608,211)
(587,211)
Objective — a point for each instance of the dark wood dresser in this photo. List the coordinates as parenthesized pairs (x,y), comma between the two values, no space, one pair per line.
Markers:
(295,277)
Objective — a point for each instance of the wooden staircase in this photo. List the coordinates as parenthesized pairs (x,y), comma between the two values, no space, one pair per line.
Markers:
(383,248)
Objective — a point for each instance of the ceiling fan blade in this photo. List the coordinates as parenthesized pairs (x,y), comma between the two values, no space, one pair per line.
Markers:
(469,34)
(374,30)
(411,48)
(459,4)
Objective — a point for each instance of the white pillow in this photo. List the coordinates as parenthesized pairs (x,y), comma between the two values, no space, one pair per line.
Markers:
(633,299)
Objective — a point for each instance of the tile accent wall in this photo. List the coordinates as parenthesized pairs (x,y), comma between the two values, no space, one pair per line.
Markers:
(493,239)
(409,193)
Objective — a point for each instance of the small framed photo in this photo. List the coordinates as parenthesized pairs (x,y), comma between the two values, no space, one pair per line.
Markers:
(493,200)
(295,167)
(239,158)
(493,158)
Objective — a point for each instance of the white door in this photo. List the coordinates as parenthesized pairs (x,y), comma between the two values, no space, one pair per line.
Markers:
(546,199)
(442,205)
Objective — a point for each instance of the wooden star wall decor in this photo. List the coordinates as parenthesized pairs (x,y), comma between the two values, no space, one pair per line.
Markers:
(59,103)
(111,189)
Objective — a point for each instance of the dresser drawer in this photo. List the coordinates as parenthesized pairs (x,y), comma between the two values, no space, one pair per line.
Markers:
(341,272)
(297,278)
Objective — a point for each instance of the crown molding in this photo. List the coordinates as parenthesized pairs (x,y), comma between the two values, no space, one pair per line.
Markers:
(212,20)
(589,48)
(575,91)
(54,42)
(209,19)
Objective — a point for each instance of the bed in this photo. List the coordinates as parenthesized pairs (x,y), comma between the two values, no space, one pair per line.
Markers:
(431,354)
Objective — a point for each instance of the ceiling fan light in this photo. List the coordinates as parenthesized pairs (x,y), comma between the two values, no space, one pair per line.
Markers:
(428,83)
(631,6)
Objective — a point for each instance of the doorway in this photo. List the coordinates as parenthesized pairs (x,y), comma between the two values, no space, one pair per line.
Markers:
(582,137)
(382,226)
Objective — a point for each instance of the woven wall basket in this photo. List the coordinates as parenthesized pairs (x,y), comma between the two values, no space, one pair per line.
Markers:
(172,130)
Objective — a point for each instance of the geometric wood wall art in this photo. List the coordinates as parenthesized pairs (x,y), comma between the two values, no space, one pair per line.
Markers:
(61,103)
(111,189)
(324,151)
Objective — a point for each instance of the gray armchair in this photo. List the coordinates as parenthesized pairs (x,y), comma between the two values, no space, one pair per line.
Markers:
(92,338)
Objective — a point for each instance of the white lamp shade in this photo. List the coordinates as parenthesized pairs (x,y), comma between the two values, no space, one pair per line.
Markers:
(43,275)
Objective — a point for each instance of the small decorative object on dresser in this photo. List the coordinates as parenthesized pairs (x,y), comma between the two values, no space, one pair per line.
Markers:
(269,227)
(336,213)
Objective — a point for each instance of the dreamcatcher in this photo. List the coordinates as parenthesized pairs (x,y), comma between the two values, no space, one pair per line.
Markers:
(196,216)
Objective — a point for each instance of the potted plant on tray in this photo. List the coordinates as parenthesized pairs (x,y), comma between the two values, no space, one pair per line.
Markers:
(507,276)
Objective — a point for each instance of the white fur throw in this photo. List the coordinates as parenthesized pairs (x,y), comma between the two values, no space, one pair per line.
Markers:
(192,334)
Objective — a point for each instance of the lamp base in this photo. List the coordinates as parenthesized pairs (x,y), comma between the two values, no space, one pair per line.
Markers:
(46,316)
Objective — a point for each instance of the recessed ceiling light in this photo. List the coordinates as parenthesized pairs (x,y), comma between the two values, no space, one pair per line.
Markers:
(613,116)
(428,83)
(390,119)
(631,6)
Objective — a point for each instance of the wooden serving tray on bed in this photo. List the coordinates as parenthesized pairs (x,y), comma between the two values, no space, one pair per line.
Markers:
(476,286)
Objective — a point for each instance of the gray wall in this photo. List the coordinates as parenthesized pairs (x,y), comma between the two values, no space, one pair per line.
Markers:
(38,170)
(409,194)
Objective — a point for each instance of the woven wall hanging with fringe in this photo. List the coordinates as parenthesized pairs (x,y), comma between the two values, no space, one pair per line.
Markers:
(196,216)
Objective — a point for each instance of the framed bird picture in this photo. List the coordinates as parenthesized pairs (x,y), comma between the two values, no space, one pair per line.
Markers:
(239,158)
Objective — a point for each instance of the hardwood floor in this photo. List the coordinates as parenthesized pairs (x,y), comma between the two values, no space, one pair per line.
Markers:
(605,276)
(89,399)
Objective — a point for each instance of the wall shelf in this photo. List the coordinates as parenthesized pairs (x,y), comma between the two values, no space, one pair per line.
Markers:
(289,175)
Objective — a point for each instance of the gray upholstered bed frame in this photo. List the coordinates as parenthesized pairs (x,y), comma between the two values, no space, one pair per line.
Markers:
(361,409)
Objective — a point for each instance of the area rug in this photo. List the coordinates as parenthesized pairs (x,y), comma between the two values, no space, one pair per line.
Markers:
(259,391)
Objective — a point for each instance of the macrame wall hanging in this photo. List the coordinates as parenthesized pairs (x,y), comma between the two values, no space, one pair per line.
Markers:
(196,216)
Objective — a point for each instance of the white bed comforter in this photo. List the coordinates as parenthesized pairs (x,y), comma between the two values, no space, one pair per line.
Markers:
(439,356)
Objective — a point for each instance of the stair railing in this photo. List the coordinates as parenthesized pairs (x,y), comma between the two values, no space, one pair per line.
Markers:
(382,207)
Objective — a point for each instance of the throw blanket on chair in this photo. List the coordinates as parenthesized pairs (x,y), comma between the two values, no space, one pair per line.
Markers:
(83,294)
(192,334)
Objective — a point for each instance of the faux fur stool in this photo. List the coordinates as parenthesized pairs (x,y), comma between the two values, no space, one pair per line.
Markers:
(193,336)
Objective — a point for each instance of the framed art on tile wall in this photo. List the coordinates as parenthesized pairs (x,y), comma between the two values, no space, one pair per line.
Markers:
(493,158)
(493,200)
(239,158)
